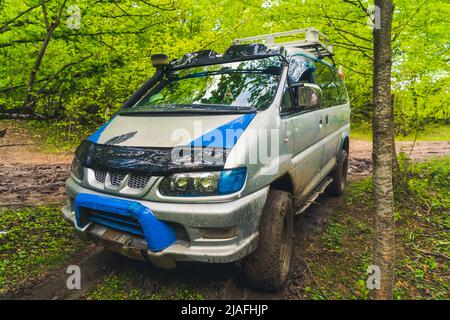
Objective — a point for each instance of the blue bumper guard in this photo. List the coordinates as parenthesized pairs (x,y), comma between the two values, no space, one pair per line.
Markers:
(157,233)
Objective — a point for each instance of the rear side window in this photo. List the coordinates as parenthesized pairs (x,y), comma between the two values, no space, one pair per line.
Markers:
(342,90)
(330,85)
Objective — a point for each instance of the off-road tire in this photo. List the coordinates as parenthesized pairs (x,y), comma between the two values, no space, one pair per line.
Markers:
(268,267)
(339,175)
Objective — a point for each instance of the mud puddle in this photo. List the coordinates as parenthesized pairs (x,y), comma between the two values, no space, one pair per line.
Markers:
(32,185)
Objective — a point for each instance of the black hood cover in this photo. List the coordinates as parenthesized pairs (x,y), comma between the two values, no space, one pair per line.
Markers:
(157,161)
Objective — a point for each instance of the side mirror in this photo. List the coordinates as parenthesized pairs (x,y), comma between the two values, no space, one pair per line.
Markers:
(309,96)
(159,60)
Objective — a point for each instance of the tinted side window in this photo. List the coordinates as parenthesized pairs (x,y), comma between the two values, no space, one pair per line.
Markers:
(342,90)
(330,88)
(300,69)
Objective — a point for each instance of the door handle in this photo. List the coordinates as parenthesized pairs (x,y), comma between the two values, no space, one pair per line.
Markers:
(326,120)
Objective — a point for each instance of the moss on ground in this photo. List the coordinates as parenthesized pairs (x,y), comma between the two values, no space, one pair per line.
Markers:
(124,287)
(431,132)
(32,242)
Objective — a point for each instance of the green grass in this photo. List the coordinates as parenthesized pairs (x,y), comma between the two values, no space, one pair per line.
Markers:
(431,132)
(360,133)
(116,288)
(56,137)
(123,286)
(33,241)
(424,229)
(46,136)
(339,255)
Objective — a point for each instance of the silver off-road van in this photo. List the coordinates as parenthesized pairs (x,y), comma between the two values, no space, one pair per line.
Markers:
(213,156)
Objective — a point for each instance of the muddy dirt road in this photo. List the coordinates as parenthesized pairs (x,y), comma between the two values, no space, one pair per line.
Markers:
(360,162)
(30,178)
(27,177)
(32,185)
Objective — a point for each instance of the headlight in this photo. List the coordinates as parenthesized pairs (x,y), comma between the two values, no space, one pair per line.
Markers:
(77,169)
(198,184)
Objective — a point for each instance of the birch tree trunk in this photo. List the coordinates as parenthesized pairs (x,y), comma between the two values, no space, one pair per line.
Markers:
(384,250)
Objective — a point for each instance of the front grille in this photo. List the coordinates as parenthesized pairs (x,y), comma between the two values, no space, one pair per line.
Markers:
(117,178)
(135,181)
(138,181)
(100,175)
(123,223)
(115,221)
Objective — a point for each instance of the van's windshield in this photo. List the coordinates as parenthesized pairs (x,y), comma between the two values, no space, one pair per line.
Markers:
(235,86)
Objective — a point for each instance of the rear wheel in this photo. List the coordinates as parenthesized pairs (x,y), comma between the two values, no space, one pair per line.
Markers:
(268,267)
(339,175)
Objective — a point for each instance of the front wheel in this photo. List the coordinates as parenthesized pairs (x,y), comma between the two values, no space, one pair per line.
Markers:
(339,175)
(268,267)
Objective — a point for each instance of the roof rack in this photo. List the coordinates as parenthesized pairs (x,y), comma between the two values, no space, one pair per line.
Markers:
(313,41)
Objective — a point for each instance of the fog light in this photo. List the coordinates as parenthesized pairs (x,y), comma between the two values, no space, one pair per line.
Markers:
(219,233)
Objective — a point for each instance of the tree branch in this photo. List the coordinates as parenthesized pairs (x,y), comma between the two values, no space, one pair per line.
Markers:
(170,7)
(359,4)
(356,71)
(45,14)
(55,75)
(50,29)
(3,28)
(339,31)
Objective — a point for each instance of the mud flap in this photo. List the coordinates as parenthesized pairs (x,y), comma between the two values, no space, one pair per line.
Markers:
(157,233)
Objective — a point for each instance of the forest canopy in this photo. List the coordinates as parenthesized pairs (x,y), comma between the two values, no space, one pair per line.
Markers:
(77,61)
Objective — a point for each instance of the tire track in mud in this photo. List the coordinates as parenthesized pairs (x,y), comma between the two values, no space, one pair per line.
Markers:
(92,263)
(99,264)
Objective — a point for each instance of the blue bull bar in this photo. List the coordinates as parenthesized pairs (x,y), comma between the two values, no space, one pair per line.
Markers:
(124,215)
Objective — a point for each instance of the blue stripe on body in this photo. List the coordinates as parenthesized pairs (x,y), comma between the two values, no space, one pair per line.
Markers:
(96,135)
(225,136)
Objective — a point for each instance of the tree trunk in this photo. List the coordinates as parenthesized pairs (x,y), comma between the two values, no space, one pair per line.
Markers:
(395,166)
(384,250)
(29,100)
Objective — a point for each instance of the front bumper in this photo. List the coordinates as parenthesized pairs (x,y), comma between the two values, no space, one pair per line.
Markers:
(242,214)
